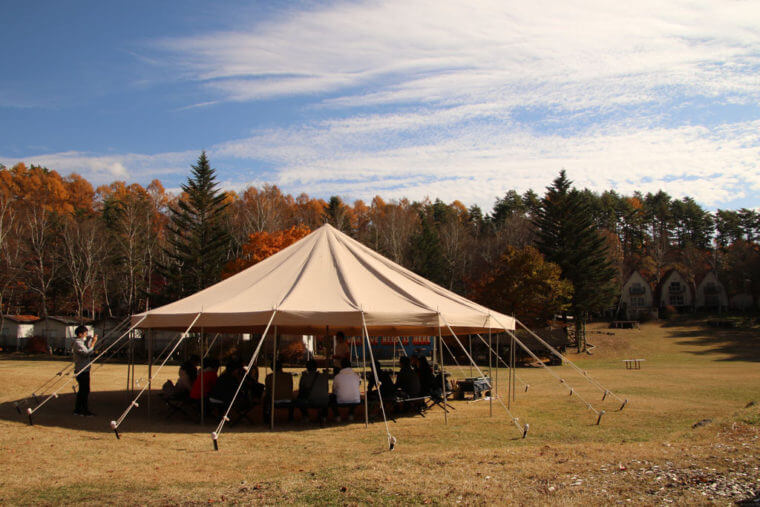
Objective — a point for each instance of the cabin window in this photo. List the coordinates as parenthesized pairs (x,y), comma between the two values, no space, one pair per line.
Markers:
(676,300)
(638,302)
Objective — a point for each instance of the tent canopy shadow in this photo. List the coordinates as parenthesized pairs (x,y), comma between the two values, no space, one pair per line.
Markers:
(109,405)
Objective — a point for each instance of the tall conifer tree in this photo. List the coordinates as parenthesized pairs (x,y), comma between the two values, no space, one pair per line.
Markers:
(567,237)
(197,235)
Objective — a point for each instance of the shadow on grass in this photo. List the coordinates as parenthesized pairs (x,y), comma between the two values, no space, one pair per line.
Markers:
(737,344)
(153,417)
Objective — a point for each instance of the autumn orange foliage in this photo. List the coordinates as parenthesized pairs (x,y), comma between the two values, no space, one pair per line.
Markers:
(261,245)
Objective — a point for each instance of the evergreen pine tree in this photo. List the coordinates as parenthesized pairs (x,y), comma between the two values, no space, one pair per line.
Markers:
(426,254)
(197,237)
(567,237)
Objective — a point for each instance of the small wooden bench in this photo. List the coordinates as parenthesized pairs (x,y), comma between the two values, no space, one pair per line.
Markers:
(633,364)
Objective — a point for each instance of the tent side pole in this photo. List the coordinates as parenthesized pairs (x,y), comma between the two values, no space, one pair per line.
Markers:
(490,375)
(394,357)
(364,376)
(496,381)
(150,367)
(435,350)
(203,373)
(510,381)
(129,361)
(514,374)
(274,375)
(470,337)
(443,379)
(512,361)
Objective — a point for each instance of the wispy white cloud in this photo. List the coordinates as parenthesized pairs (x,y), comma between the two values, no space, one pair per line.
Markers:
(475,165)
(478,163)
(103,169)
(464,100)
(570,54)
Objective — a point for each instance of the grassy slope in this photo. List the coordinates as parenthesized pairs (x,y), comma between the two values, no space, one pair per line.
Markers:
(691,373)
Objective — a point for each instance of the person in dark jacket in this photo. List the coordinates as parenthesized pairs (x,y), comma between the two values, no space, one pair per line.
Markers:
(83,349)
(407,379)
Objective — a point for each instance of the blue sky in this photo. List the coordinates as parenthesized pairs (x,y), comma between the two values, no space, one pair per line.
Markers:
(454,100)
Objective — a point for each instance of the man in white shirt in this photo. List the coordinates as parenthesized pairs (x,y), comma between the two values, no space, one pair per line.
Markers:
(346,386)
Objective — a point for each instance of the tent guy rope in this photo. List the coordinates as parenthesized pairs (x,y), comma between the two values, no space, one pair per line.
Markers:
(52,382)
(562,381)
(391,438)
(592,381)
(515,420)
(226,417)
(525,385)
(115,424)
(30,411)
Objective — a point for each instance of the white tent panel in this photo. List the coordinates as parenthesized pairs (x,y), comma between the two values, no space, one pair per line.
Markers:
(324,283)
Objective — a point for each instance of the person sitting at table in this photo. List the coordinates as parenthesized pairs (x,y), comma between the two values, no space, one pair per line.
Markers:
(181,389)
(206,380)
(387,389)
(227,384)
(346,387)
(283,388)
(254,389)
(313,392)
(425,373)
(407,379)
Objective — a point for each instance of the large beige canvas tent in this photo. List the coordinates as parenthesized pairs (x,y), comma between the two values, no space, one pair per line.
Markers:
(324,283)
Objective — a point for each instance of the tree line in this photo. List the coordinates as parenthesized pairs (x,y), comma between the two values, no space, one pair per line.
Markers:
(69,248)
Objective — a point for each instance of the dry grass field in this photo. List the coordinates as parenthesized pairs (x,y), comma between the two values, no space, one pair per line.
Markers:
(647,454)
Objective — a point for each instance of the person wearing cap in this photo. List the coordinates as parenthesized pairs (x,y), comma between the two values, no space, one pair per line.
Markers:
(82,349)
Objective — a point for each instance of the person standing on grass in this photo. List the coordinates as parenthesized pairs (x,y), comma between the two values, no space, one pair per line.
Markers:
(83,349)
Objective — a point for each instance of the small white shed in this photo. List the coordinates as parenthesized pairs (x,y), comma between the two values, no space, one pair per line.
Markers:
(59,331)
(16,330)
